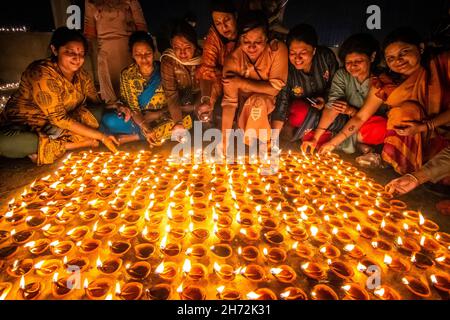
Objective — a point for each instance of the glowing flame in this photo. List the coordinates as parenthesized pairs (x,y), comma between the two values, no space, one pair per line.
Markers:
(109,297)
(400,241)
(349,247)
(421,219)
(160,268)
(163,242)
(440,259)
(118,290)
(220,289)
(335,230)
(187,266)
(361,267)
(295,245)
(217,267)
(99,263)
(422,241)
(405,281)
(39,265)
(278,208)
(375,244)
(379,292)
(305,266)
(253,296)
(314,230)
(55,277)
(413,258)
(405,226)
(346,287)
(433,279)
(383,224)
(275,271)
(265,251)
(387,259)
(22,282)
(286,294)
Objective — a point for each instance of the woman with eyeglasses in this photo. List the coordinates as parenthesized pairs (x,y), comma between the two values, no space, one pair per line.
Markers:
(48,114)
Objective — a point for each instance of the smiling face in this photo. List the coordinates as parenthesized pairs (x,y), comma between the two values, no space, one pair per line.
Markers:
(358,65)
(183,48)
(143,55)
(225,23)
(301,55)
(253,43)
(402,57)
(70,56)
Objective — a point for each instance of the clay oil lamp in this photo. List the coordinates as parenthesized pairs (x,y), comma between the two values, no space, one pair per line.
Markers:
(274,238)
(96,205)
(144,251)
(387,293)
(342,237)
(167,271)
(159,292)
(30,291)
(253,273)
(375,217)
(313,271)
(333,222)
(109,266)
(62,287)
(397,264)
(176,234)
(150,236)
(169,249)
(411,215)
(389,230)
(245,220)
(225,272)
(223,221)
(130,291)
(38,247)
(197,251)
(191,292)
(78,233)
(354,251)
(441,237)
(195,271)
(284,274)
(441,281)
(354,291)
(443,260)
(417,287)
(250,235)
(249,253)
(229,294)
(323,292)
(199,235)
(98,289)
(302,251)
(4,235)
(104,231)
(318,237)
(412,230)
(330,252)
(88,246)
(139,270)
(119,248)
(199,214)
(262,294)
(293,293)
(381,245)
(128,231)
(36,221)
(407,245)
(429,245)
(366,231)
(20,268)
(397,204)
(297,233)
(175,216)
(53,231)
(109,215)
(275,255)
(5,289)
(224,234)
(64,217)
(422,261)
(88,215)
(340,271)
(61,249)
(22,236)
(131,217)
(46,268)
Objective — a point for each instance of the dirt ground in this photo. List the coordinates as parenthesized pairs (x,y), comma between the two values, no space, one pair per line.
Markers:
(15,174)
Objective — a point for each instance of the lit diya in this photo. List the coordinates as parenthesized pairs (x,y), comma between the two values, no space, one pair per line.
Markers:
(139,270)
(417,287)
(128,231)
(381,245)
(35,221)
(302,251)
(330,251)
(46,268)
(191,292)
(104,231)
(130,291)
(38,247)
(250,235)
(4,235)
(169,249)
(224,234)
(443,260)
(109,266)
(429,245)
(297,233)
(293,293)
(197,251)
(194,272)
(389,230)
(159,292)
(98,289)
(387,293)
(397,264)
(224,271)
(53,231)
(313,270)
(341,271)
(88,215)
(284,274)
(199,235)
(78,233)
(119,248)
(441,281)
(249,253)
(61,249)
(323,292)
(442,237)
(167,271)
(144,251)
(89,246)
(262,294)
(80,264)
(222,250)
(22,236)
(5,288)
(230,294)
(319,237)
(275,255)
(20,268)
(354,291)
(366,231)
(253,272)
(62,287)
(30,291)
(422,261)
(150,236)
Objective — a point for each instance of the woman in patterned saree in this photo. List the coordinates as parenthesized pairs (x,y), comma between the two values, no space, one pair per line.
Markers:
(51,102)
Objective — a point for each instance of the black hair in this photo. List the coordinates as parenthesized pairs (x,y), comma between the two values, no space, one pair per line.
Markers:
(404,34)
(183,29)
(226,6)
(141,36)
(251,20)
(64,35)
(305,33)
(362,43)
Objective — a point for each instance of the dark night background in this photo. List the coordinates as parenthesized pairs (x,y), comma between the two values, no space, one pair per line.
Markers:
(334,20)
